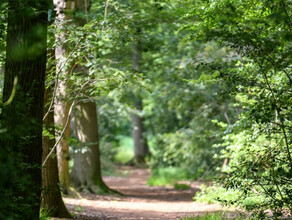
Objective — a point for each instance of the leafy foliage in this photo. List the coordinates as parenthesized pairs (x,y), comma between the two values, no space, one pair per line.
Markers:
(258,145)
(224,80)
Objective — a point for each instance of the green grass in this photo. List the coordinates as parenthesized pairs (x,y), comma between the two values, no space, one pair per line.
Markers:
(44,215)
(181,186)
(125,151)
(166,176)
(78,208)
(214,216)
(208,216)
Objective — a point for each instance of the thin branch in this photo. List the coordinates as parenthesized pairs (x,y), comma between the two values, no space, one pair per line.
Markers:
(57,80)
(67,121)
(289,19)
(280,193)
(227,118)
(105,14)
(281,120)
(10,99)
(290,79)
(86,10)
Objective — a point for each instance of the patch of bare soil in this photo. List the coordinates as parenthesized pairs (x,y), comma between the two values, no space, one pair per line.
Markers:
(139,201)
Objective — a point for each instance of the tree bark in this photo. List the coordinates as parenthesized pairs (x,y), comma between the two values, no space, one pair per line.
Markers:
(26,60)
(62,104)
(52,200)
(61,116)
(141,149)
(86,173)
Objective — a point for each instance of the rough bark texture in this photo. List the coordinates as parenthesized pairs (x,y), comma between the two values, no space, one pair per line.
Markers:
(25,59)
(62,105)
(141,148)
(86,173)
(52,200)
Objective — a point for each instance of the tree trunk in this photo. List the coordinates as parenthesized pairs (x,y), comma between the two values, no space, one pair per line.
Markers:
(26,60)
(61,116)
(141,149)
(52,200)
(62,105)
(86,173)
(140,143)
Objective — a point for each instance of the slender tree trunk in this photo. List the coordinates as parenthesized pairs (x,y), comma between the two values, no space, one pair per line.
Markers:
(52,200)
(141,149)
(140,143)
(26,60)
(62,105)
(61,116)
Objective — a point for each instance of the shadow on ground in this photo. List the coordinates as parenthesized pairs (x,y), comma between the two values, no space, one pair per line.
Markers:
(140,201)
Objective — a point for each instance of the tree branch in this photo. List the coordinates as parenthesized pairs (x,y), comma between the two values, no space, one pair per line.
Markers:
(57,80)
(67,121)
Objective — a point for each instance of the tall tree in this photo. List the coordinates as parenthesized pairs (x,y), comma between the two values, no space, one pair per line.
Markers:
(62,105)
(86,173)
(52,200)
(140,142)
(22,114)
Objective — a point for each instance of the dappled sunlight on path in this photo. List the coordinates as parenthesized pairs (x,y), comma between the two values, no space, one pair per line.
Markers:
(139,201)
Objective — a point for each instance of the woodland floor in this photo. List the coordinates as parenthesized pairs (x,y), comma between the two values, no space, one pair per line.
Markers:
(139,201)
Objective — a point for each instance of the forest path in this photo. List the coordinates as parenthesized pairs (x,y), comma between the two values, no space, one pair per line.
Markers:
(140,201)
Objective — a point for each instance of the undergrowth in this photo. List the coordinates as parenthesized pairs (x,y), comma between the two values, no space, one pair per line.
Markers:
(211,194)
(215,216)
(125,151)
(166,176)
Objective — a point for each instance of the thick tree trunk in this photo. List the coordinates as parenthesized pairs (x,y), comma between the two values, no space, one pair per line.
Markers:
(52,200)
(141,149)
(62,105)
(86,173)
(25,59)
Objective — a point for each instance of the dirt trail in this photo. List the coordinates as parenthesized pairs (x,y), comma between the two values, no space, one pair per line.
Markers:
(140,201)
